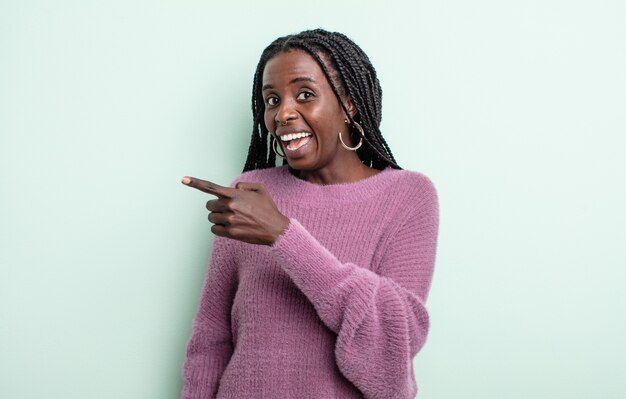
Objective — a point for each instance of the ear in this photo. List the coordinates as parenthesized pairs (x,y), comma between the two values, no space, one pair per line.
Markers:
(350,105)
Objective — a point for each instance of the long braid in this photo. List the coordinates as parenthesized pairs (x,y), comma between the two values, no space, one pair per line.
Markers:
(349,71)
(372,99)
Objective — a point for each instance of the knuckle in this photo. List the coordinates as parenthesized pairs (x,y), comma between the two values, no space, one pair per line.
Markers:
(230,219)
(229,203)
(233,232)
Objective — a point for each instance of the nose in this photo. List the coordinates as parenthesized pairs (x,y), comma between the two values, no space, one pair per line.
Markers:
(285,112)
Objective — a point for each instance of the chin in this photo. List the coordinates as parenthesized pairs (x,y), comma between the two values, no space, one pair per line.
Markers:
(297,164)
(302,164)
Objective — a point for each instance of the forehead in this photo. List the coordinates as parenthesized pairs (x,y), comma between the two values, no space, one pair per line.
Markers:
(284,67)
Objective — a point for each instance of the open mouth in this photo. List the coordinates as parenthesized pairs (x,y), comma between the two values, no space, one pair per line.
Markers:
(293,141)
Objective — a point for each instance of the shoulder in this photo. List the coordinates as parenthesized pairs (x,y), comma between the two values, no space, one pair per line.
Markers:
(411,184)
(411,204)
(410,195)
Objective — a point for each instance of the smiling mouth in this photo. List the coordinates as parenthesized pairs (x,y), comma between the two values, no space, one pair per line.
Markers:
(295,140)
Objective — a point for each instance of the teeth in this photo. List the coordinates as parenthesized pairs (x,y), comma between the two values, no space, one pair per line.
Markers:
(293,136)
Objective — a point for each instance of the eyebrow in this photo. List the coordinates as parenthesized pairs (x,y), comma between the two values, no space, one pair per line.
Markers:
(294,80)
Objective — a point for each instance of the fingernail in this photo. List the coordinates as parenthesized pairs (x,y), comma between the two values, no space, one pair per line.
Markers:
(186,180)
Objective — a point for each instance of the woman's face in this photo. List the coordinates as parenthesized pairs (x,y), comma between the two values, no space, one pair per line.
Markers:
(302,112)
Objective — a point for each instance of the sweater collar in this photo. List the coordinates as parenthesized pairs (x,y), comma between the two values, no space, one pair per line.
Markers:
(320,194)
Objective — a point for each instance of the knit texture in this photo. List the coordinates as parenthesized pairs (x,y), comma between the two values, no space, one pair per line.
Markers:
(334,309)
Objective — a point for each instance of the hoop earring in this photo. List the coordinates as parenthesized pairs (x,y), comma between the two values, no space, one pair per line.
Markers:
(275,150)
(356,147)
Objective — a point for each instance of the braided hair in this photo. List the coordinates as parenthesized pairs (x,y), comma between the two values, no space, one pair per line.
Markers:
(349,71)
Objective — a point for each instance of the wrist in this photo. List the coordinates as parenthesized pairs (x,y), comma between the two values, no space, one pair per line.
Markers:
(281,227)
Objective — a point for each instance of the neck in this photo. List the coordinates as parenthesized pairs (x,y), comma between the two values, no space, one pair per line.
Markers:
(351,170)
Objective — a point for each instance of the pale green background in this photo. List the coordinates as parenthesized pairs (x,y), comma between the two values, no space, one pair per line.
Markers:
(515,109)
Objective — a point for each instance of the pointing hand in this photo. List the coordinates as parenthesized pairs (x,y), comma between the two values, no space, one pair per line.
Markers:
(246,213)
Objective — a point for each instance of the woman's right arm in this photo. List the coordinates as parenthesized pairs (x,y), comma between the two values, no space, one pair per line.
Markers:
(210,346)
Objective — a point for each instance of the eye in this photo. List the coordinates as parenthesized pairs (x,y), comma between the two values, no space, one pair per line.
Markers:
(305,95)
(271,101)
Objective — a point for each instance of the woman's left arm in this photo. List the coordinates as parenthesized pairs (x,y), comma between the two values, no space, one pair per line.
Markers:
(380,318)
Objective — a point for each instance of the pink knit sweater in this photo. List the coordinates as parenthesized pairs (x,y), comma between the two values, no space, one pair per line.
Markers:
(334,309)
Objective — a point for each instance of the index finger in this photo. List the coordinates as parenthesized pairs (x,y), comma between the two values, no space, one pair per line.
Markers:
(208,187)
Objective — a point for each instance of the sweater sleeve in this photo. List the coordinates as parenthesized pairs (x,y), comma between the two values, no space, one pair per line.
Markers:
(210,346)
(379,317)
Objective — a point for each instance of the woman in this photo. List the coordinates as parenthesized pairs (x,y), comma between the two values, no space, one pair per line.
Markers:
(320,268)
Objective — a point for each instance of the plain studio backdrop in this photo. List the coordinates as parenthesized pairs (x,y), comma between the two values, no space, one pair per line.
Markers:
(516,111)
